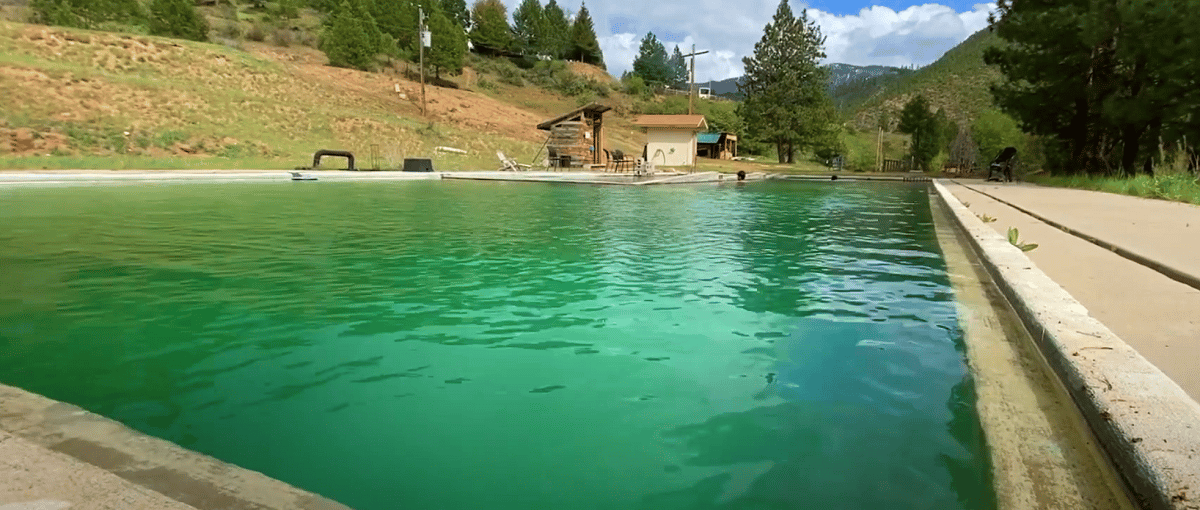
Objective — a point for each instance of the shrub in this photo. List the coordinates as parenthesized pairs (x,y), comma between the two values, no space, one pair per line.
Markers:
(177,18)
(86,13)
(256,33)
(230,30)
(635,86)
(281,37)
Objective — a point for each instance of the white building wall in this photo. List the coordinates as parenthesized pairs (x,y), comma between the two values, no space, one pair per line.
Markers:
(671,147)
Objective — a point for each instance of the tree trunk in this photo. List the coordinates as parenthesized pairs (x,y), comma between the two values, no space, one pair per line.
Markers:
(1131,137)
(780,152)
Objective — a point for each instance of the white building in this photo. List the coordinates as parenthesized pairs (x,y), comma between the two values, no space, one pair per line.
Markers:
(671,139)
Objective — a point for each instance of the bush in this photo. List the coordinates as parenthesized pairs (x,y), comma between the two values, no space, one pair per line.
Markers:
(230,30)
(86,13)
(256,33)
(177,18)
(635,86)
(281,37)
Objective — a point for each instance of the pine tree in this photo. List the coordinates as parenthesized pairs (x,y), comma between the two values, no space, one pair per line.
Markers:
(350,38)
(786,93)
(651,63)
(585,47)
(557,30)
(529,28)
(456,11)
(679,69)
(398,20)
(491,30)
(928,130)
(449,43)
(177,18)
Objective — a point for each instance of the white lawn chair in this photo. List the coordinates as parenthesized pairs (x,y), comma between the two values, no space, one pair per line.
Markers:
(509,164)
(642,167)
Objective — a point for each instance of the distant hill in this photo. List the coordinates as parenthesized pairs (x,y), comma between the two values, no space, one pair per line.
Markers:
(841,76)
(957,82)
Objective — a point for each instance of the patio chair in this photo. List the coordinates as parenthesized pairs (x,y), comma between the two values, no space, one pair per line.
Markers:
(510,164)
(619,159)
(1001,168)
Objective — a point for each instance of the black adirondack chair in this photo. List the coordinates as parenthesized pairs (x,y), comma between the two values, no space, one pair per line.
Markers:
(1001,167)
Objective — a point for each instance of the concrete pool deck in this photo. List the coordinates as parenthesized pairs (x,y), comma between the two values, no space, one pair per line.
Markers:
(1147,424)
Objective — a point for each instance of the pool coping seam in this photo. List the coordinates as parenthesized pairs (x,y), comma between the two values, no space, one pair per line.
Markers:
(1145,422)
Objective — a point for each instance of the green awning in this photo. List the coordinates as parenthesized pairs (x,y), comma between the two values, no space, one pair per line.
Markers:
(709,137)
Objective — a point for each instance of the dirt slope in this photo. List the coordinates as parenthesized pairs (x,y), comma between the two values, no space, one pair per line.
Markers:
(76,92)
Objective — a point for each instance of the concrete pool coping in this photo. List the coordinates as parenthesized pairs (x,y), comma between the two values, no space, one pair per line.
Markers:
(1145,422)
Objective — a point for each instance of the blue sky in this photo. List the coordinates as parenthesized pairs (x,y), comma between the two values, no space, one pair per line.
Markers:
(888,32)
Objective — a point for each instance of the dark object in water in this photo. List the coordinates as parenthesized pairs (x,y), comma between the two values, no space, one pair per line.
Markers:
(1001,167)
(741,175)
(418,165)
(833,177)
(343,154)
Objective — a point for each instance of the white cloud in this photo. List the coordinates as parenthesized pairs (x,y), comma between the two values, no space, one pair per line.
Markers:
(916,35)
(879,35)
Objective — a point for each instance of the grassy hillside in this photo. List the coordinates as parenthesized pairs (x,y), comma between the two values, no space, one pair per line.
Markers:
(958,82)
(84,99)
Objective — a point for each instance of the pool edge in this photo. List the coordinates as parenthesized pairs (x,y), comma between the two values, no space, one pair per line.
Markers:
(148,463)
(1147,425)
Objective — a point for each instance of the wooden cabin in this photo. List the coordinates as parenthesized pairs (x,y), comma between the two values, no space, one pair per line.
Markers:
(576,137)
(716,145)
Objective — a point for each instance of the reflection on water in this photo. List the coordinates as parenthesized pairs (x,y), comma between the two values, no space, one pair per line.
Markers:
(464,345)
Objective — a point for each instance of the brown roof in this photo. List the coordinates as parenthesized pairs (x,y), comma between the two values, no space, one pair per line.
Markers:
(695,122)
(594,108)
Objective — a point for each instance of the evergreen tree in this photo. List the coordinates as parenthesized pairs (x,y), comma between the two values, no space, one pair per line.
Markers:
(529,28)
(449,43)
(651,63)
(557,30)
(398,20)
(456,11)
(926,129)
(177,18)
(786,92)
(585,47)
(351,39)
(1106,81)
(679,69)
(491,30)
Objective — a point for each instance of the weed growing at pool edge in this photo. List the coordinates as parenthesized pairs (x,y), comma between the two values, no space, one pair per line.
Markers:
(1013,239)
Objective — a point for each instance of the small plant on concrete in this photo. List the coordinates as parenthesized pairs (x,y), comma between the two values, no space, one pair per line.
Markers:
(1013,239)
(986,218)
(966,204)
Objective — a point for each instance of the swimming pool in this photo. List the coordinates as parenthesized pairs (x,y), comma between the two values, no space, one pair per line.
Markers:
(465,345)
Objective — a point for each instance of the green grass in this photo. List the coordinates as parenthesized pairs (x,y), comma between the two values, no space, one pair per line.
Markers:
(1173,186)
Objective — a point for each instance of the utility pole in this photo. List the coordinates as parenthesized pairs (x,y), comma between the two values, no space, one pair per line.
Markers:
(692,76)
(422,35)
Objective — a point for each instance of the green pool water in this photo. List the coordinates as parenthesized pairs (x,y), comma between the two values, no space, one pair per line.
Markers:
(460,345)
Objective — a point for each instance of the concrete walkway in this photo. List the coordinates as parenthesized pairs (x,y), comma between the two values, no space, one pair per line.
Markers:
(1156,314)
